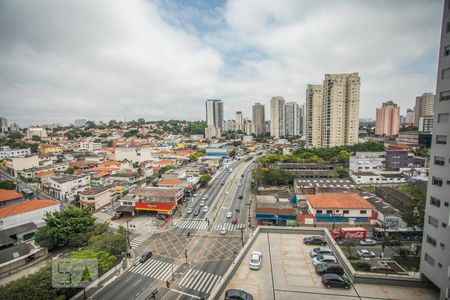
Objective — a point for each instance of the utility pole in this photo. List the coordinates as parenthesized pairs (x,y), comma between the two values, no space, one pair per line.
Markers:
(185,254)
(242,236)
(127,234)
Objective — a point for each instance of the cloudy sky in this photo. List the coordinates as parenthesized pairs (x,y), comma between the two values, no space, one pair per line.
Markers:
(99,60)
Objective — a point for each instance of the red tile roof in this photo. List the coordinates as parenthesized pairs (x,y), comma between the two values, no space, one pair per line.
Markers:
(169,182)
(6,195)
(335,201)
(157,192)
(24,207)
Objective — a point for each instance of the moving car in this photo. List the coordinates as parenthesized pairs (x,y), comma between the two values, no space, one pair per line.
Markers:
(240,197)
(205,209)
(229,214)
(223,230)
(202,203)
(205,197)
(329,268)
(234,294)
(320,250)
(222,183)
(230,170)
(189,210)
(196,212)
(145,257)
(255,260)
(343,242)
(234,221)
(194,195)
(367,242)
(315,240)
(365,253)
(333,280)
(323,259)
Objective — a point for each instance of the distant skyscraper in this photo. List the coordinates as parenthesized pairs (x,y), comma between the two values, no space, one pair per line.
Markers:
(248,127)
(229,125)
(387,119)
(292,116)
(80,122)
(302,120)
(214,117)
(239,121)
(313,115)
(424,107)
(3,124)
(258,118)
(435,254)
(409,118)
(340,114)
(277,117)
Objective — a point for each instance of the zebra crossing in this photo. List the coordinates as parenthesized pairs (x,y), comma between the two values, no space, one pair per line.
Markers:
(199,280)
(229,226)
(153,268)
(139,239)
(191,224)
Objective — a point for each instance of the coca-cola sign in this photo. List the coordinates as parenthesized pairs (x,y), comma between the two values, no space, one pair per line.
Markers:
(355,235)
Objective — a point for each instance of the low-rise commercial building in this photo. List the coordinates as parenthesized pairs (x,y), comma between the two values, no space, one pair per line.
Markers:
(65,187)
(9,197)
(50,149)
(414,138)
(270,210)
(159,200)
(97,197)
(367,161)
(16,164)
(6,152)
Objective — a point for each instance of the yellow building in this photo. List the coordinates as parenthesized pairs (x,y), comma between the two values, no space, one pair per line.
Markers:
(50,149)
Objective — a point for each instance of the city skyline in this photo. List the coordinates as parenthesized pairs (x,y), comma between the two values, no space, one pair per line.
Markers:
(204,50)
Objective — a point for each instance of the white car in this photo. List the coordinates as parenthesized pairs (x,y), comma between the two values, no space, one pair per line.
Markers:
(229,214)
(223,230)
(323,258)
(202,203)
(205,209)
(255,260)
(365,253)
(205,197)
(189,210)
(367,242)
(320,250)
(194,195)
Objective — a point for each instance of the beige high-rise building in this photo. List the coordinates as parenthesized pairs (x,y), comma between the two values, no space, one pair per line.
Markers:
(313,114)
(424,107)
(239,121)
(258,118)
(340,112)
(277,117)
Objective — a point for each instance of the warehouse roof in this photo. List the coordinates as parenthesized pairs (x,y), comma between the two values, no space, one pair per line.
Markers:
(340,200)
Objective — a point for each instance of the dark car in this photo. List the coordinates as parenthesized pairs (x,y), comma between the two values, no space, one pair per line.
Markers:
(240,197)
(393,243)
(334,280)
(234,294)
(146,257)
(314,240)
(329,268)
(196,212)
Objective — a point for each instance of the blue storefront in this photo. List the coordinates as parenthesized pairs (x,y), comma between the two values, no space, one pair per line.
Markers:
(329,218)
(275,219)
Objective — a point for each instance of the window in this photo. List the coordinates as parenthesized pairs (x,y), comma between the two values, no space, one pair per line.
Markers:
(440,265)
(447,50)
(435,202)
(436,181)
(444,96)
(446,204)
(429,259)
(363,212)
(439,160)
(345,211)
(319,211)
(442,246)
(444,225)
(443,118)
(433,221)
(446,73)
(431,240)
(329,211)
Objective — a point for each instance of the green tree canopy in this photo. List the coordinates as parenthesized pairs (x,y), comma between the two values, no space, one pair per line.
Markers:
(204,179)
(7,185)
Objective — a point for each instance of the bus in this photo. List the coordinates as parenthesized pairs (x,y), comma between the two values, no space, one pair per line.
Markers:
(400,234)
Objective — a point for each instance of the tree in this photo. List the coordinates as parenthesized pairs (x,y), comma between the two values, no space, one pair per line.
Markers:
(204,179)
(414,214)
(70,170)
(7,185)
(105,259)
(73,226)
(166,168)
(268,176)
(113,243)
(36,138)
(15,135)
(341,171)
(89,125)
(131,133)
(232,153)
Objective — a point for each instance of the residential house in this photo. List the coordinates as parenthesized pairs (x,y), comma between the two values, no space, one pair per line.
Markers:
(98,197)
(66,187)
(10,197)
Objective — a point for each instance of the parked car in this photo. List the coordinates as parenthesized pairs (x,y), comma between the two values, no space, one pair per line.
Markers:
(194,195)
(329,268)
(161,217)
(323,258)
(202,203)
(235,294)
(117,215)
(367,242)
(229,214)
(223,230)
(146,257)
(196,212)
(205,209)
(240,197)
(334,280)
(365,253)
(234,221)
(205,197)
(189,210)
(255,260)
(222,183)
(320,250)
(315,240)
(59,255)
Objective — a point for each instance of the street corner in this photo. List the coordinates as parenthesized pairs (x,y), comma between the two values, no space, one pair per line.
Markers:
(168,245)
(217,249)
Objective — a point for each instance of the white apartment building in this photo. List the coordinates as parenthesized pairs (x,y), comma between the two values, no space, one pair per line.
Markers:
(435,255)
(65,187)
(340,114)
(313,115)
(26,212)
(239,121)
(258,118)
(367,161)
(277,117)
(292,119)
(90,146)
(133,154)
(16,164)
(38,131)
(6,152)
(214,118)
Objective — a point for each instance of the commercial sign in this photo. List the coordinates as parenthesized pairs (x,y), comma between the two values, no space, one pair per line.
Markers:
(155,206)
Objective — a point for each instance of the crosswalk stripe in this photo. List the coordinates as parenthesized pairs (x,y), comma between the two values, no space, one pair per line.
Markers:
(213,283)
(145,265)
(186,276)
(152,271)
(208,277)
(210,283)
(166,274)
(200,280)
(166,269)
(192,279)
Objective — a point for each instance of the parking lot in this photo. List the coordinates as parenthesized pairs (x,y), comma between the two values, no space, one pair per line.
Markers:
(287,273)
